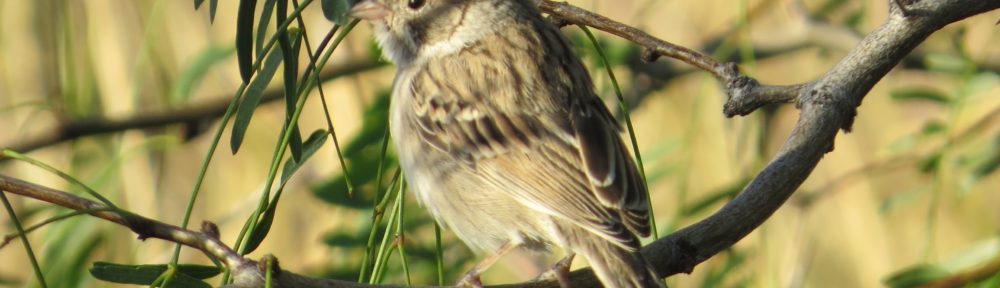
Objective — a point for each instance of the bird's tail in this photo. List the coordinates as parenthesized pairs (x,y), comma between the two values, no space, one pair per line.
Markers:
(614,265)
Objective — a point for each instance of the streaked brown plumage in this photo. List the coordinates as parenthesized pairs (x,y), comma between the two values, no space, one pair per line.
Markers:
(500,134)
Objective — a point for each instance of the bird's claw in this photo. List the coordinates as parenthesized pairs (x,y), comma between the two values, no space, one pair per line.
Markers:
(470,280)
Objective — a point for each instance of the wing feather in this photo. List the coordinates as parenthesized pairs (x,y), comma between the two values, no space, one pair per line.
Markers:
(559,153)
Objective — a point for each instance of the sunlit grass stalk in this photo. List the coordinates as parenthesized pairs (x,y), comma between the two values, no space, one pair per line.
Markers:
(21,157)
(376,212)
(52,220)
(268,267)
(385,248)
(628,123)
(24,239)
(400,236)
(439,254)
(326,108)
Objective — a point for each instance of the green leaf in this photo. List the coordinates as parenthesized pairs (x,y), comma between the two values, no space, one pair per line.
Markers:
(262,23)
(332,191)
(983,81)
(854,19)
(362,155)
(290,42)
(947,63)
(901,199)
(932,128)
(975,257)
(915,276)
(263,226)
(196,71)
(830,6)
(213,6)
(344,240)
(199,271)
(987,167)
(309,147)
(251,98)
(925,94)
(931,163)
(336,10)
(187,275)
(244,38)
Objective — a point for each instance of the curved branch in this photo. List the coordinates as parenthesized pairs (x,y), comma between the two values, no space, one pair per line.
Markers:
(207,240)
(745,93)
(828,104)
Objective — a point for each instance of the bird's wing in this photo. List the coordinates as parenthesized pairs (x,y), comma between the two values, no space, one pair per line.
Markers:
(613,175)
(565,161)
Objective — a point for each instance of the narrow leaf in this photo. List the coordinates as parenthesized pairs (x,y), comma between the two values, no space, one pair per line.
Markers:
(252,97)
(187,276)
(289,41)
(244,38)
(310,146)
(924,94)
(915,276)
(213,5)
(263,227)
(262,23)
(343,240)
(336,10)
(196,71)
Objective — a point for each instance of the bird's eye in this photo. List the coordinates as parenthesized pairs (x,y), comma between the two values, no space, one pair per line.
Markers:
(415,4)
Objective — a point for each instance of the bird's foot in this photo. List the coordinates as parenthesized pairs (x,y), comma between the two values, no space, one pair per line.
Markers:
(470,279)
(559,272)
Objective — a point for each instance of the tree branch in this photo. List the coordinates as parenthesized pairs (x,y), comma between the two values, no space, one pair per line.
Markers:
(827,105)
(246,273)
(191,116)
(745,93)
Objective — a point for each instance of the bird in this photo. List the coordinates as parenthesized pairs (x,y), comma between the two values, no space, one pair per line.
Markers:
(500,135)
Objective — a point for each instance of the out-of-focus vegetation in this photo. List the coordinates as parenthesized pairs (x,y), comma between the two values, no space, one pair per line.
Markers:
(911,195)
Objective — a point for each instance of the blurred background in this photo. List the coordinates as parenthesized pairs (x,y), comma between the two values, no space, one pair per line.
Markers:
(913,188)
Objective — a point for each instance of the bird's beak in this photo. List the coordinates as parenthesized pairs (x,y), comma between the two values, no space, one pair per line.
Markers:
(369,10)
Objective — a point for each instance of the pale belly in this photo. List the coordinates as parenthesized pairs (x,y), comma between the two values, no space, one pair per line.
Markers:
(478,212)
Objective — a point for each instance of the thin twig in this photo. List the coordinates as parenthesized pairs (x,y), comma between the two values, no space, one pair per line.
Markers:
(745,93)
(190,116)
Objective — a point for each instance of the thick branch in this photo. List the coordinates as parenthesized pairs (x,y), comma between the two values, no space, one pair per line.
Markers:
(208,111)
(827,104)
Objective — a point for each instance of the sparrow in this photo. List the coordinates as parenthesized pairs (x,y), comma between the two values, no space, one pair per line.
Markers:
(500,135)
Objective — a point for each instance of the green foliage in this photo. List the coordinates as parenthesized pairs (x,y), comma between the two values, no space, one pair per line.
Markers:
(985,254)
(244,38)
(336,10)
(189,78)
(252,97)
(186,275)
(213,6)
(915,276)
(930,95)
(365,157)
